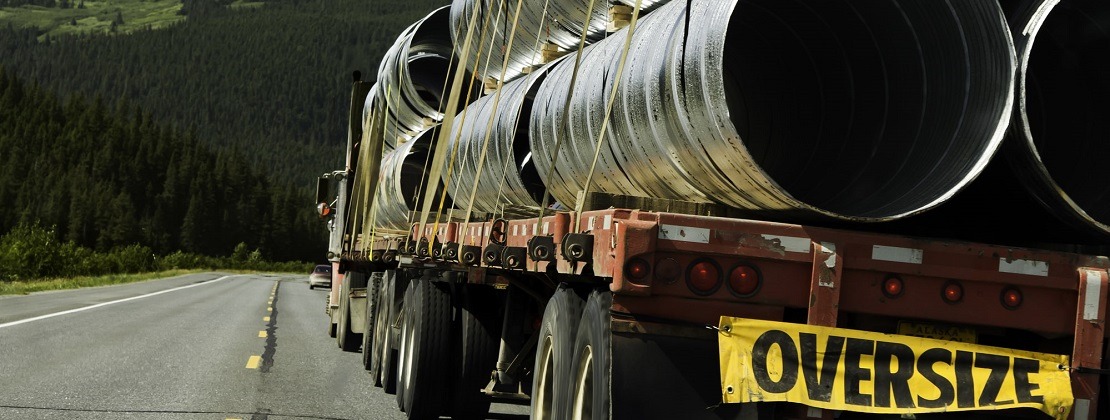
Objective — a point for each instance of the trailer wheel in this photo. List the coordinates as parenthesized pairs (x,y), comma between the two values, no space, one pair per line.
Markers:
(480,340)
(382,318)
(551,379)
(429,353)
(387,372)
(348,340)
(404,349)
(371,315)
(591,362)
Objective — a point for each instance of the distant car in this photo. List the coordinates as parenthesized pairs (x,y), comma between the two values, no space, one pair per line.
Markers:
(321,276)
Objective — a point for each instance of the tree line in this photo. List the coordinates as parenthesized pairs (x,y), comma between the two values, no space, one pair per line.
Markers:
(193,138)
(271,83)
(105,177)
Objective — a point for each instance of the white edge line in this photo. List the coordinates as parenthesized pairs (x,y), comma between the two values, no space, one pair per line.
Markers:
(85,308)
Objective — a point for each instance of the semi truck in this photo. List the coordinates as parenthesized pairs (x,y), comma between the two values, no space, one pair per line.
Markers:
(756,209)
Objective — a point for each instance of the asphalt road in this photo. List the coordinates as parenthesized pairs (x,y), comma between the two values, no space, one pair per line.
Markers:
(201,346)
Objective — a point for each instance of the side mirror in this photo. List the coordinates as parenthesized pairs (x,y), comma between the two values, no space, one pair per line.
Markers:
(322,185)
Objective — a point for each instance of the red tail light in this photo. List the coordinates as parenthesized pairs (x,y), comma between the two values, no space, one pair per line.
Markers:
(703,277)
(1011,298)
(892,287)
(744,281)
(637,269)
(953,292)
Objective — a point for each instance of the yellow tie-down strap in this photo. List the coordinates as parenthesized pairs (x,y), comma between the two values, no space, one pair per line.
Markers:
(842,369)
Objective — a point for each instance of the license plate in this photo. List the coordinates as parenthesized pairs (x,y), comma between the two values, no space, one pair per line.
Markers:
(938,331)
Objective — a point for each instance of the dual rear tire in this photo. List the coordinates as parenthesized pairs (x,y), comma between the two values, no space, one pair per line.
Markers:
(347,339)
(571,375)
(448,348)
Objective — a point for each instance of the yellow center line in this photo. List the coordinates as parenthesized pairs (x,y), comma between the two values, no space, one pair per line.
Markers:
(270,308)
(254,362)
(262,334)
(265,319)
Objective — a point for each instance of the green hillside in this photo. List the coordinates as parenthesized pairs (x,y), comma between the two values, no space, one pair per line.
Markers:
(84,17)
(109,177)
(269,82)
(198,136)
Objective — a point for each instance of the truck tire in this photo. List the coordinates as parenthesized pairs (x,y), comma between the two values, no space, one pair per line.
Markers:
(348,340)
(381,321)
(589,389)
(551,378)
(480,340)
(404,348)
(332,329)
(387,372)
(429,352)
(371,314)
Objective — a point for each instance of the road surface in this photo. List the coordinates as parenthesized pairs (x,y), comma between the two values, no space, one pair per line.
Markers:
(199,346)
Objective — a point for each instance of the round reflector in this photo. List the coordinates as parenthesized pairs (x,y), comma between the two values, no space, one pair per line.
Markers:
(667,270)
(703,277)
(953,292)
(637,269)
(1011,298)
(892,287)
(744,280)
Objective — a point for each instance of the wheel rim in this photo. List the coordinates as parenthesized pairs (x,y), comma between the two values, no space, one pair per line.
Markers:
(544,389)
(584,389)
(385,349)
(406,358)
(403,344)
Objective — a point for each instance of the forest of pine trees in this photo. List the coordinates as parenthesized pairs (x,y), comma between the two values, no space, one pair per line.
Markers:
(272,83)
(106,177)
(195,138)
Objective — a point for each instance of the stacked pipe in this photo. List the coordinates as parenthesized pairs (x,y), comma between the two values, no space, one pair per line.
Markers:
(411,77)
(557,23)
(1046,188)
(830,111)
(792,110)
(508,175)
(1060,136)
(402,175)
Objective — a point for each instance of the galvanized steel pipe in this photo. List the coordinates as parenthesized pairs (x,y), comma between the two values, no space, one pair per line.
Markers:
(1061,134)
(508,175)
(794,110)
(411,78)
(557,22)
(402,174)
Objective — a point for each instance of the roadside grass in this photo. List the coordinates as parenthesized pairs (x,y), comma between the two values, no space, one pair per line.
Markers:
(27,287)
(96,17)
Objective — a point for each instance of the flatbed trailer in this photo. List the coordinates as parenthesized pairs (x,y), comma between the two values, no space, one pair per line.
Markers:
(670,311)
(665,280)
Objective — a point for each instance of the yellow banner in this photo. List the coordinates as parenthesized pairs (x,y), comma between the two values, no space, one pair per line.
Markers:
(852,370)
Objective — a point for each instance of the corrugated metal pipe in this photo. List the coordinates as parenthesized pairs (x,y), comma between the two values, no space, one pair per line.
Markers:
(402,173)
(1061,134)
(794,110)
(555,22)
(508,174)
(411,78)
